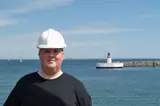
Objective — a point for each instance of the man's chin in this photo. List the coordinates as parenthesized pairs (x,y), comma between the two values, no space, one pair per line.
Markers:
(51,65)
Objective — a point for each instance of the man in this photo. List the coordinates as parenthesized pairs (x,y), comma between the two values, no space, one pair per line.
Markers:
(50,86)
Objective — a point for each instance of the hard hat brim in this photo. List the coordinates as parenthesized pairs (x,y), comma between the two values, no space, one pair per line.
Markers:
(47,46)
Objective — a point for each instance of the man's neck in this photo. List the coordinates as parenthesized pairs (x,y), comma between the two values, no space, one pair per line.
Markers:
(45,75)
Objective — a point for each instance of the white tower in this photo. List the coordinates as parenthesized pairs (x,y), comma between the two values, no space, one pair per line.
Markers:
(109,58)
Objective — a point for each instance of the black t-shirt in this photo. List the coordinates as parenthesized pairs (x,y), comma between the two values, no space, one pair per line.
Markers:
(33,90)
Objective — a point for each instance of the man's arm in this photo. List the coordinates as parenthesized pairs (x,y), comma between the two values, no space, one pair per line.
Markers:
(83,97)
(15,96)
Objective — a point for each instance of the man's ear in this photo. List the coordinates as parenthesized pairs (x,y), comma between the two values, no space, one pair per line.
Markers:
(63,55)
(39,53)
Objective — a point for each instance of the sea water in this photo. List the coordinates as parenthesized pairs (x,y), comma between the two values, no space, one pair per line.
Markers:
(129,86)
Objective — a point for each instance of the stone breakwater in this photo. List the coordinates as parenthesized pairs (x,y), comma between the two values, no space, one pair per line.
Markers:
(141,63)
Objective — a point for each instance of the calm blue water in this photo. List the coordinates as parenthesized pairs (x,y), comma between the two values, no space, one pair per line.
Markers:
(138,86)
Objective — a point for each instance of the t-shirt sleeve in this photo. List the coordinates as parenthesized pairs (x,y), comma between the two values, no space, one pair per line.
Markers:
(15,96)
(83,97)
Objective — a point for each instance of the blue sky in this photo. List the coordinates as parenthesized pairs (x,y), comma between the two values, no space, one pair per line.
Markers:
(91,28)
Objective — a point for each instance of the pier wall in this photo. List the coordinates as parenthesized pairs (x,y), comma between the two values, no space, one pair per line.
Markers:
(141,63)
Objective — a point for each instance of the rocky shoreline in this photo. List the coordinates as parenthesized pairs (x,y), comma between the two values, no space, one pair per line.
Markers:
(141,63)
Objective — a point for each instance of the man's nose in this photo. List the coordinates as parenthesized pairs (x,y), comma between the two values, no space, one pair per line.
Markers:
(51,54)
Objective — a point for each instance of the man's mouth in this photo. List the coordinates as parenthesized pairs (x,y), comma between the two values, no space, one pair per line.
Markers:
(51,60)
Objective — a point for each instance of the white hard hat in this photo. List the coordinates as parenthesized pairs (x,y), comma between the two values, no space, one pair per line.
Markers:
(51,39)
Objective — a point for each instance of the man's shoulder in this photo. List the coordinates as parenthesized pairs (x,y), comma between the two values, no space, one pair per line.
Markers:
(28,77)
(69,76)
(26,80)
(72,78)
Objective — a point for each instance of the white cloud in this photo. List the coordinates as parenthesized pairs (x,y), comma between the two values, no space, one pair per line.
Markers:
(33,5)
(22,45)
(86,44)
(5,22)
(98,31)
(28,6)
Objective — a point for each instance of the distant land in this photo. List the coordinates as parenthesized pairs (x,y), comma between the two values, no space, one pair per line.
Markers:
(90,59)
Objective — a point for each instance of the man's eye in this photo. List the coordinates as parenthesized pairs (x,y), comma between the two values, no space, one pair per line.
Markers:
(47,51)
(56,51)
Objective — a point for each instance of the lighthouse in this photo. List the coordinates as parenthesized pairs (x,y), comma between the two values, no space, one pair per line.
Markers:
(109,64)
(109,58)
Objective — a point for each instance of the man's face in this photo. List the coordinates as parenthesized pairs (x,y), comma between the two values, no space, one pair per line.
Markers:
(51,58)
